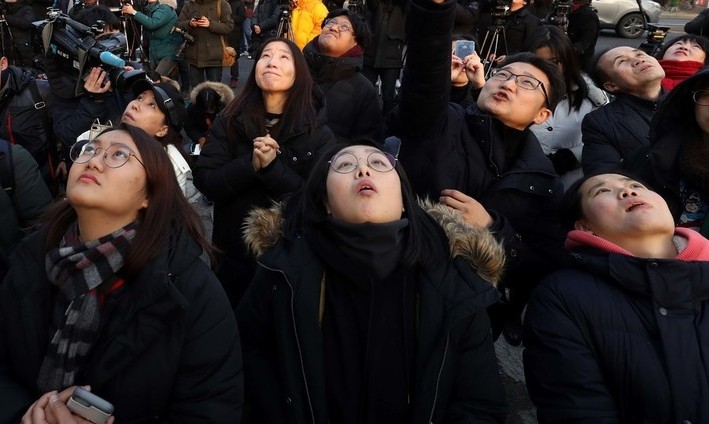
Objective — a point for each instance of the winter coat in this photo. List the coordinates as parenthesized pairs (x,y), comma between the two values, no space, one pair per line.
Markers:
(699,25)
(447,147)
(160,18)
(19,19)
(22,121)
(456,372)
(266,17)
(583,31)
(386,20)
(238,15)
(620,339)
(20,209)
(307,20)
(616,131)
(169,353)
(196,125)
(207,50)
(224,173)
(519,26)
(353,109)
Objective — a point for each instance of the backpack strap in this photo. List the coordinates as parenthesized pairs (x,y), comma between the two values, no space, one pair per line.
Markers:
(7,173)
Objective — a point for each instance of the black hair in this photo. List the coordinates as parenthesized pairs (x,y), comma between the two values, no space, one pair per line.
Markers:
(208,100)
(570,209)
(702,41)
(560,44)
(362,33)
(557,86)
(598,75)
(426,243)
(90,15)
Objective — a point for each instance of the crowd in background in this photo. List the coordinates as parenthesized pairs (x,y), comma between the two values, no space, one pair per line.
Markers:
(342,234)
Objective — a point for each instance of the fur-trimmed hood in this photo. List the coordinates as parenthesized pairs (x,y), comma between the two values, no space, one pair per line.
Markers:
(225,93)
(264,227)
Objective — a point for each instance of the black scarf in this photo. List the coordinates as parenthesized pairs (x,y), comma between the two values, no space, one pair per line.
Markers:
(368,323)
(78,269)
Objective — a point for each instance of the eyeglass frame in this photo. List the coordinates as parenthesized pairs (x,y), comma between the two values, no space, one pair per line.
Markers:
(327,24)
(694,97)
(516,76)
(391,158)
(105,154)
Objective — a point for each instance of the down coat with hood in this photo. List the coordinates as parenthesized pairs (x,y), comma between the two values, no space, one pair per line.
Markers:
(307,21)
(207,50)
(197,122)
(159,18)
(456,377)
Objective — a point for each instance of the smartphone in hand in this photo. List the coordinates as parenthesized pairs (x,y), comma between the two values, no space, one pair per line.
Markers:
(463,48)
(88,405)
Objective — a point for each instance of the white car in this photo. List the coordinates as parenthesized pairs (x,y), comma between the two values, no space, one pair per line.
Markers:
(624,16)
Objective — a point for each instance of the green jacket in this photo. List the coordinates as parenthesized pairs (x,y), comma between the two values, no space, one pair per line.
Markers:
(159,18)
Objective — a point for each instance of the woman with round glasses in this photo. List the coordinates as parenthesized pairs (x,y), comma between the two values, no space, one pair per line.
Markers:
(560,134)
(368,306)
(677,160)
(260,148)
(620,335)
(111,293)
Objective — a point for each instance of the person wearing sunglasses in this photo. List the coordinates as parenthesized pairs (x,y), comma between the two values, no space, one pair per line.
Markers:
(335,59)
(367,306)
(483,160)
(676,159)
(111,293)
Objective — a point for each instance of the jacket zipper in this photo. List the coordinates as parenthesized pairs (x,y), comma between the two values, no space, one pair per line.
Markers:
(297,340)
(438,378)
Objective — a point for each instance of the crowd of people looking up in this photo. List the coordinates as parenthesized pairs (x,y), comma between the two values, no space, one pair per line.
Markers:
(342,234)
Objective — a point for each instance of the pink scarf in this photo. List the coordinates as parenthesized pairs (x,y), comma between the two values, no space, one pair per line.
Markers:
(697,248)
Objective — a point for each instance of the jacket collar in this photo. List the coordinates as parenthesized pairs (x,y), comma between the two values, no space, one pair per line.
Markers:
(327,68)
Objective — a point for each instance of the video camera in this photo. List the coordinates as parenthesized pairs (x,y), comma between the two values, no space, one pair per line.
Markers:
(559,14)
(500,11)
(71,50)
(655,38)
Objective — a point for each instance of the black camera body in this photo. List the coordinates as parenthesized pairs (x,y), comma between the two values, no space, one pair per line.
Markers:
(71,50)
(500,11)
(656,35)
(559,14)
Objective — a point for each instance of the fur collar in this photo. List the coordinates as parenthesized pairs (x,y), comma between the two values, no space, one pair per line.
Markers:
(263,228)
(225,93)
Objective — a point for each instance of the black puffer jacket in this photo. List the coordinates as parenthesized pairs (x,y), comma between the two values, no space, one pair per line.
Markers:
(620,339)
(169,352)
(353,109)
(386,19)
(17,107)
(456,372)
(519,26)
(225,174)
(19,18)
(615,132)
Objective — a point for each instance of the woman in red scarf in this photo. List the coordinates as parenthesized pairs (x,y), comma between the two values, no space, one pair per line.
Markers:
(682,58)
(621,335)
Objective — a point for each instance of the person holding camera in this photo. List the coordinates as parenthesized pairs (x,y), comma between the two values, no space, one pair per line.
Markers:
(208,21)
(16,31)
(159,18)
(583,31)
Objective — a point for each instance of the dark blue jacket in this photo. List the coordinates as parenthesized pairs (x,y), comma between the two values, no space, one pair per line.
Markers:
(620,339)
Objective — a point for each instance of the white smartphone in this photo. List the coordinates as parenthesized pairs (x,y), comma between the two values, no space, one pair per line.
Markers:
(88,405)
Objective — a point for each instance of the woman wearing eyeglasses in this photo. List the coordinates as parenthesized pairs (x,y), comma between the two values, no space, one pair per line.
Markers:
(368,307)
(335,59)
(111,293)
(676,161)
(259,149)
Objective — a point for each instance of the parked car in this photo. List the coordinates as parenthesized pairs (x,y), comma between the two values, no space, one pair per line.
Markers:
(624,16)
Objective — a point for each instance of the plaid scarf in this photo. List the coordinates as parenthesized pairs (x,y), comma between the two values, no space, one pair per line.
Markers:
(77,269)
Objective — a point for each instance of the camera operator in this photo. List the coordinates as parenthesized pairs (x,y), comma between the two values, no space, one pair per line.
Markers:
(16,36)
(583,31)
(207,21)
(518,22)
(72,115)
(159,18)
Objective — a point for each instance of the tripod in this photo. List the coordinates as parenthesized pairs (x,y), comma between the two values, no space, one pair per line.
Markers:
(285,26)
(491,42)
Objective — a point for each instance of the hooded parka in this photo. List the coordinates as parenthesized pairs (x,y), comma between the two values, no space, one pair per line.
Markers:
(307,20)
(456,377)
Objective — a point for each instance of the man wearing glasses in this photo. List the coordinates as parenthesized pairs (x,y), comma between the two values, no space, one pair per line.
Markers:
(621,128)
(483,161)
